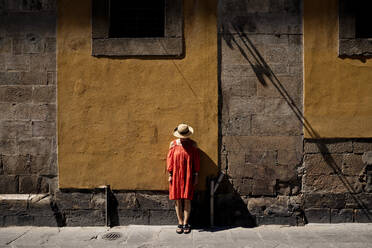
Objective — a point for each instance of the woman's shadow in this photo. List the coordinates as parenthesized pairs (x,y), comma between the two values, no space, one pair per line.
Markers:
(229,209)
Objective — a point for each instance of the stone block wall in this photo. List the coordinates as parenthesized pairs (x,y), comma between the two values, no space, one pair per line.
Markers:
(27,96)
(261,102)
(274,176)
(337,180)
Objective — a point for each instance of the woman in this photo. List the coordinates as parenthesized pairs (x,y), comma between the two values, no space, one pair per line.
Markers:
(183,166)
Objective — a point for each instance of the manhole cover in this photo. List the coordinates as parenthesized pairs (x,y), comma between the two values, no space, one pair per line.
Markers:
(111,236)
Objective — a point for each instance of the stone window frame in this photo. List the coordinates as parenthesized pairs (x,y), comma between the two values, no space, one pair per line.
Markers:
(349,45)
(171,44)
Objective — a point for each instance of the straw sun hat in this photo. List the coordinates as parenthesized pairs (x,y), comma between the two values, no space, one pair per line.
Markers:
(183,131)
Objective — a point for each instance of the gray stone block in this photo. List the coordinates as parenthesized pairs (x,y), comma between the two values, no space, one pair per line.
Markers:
(285,157)
(15,129)
(341,216)
(43,129)
(134,217)
(286,172)
(322,164)
(260,157)
(363,215)
(5,45)
(42,220)
(72,200)
(50,45)
(51,78)
(361,201)
(9,78)
(252,23)
(8,147)
(154,201)
(35,146)
(18,220)
(238,168)
(276,220)
(33,78)
(163,217)
(17,45)
(272,125)
(12,206)
(44,94)
(16,24)
(237,125)
(12,111)
(127,200)
(243,70)
(367,158)
(38,5)
(249,6)
(2,63)
(84,217)
(8,184)
(239,86)
(334,201)
(239,145)
(318,215)
(264,187)
(276,54)
(353,165)
(43,112)
(17,165)
(243,106)
(332,184)
(328,146)
(43,62)
(287,87)
(29,184)
(98,201)
(31,44)
(44,164)
(16,94)
(277,106)
(269,206)
(361,146)
(243,186)
(17,63)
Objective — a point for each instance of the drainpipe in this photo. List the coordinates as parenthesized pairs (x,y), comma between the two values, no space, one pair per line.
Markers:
(213,191)
(106,188)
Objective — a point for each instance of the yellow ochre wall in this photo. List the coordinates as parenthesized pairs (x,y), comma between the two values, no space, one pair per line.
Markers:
(338,92)
(116,116)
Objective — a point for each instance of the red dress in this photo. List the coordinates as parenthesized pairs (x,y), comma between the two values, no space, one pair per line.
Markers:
(182,161)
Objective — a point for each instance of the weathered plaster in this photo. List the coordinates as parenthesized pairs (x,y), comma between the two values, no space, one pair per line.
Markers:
(337,93)
(116,116)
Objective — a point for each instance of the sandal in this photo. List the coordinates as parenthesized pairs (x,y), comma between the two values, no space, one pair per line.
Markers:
(186,228)
(179,229)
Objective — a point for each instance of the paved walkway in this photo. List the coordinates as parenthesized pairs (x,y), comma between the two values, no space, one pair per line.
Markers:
(319,235)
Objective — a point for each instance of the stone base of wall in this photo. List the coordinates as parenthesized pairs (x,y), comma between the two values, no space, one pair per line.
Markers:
(337,180)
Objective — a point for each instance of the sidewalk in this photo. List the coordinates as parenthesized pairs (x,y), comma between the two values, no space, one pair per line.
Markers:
(312,235)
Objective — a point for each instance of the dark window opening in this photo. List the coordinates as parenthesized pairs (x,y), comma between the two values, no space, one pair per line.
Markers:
(137,18)
(363,20)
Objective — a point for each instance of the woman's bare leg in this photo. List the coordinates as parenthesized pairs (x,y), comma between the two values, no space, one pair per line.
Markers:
(179,212)
(186,211)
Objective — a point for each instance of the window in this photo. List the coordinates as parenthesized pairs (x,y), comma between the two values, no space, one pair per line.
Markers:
(137,28)
(363,27)
(134,19)
(355,30)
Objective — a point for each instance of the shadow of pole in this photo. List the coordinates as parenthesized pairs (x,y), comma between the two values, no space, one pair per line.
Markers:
(265,75)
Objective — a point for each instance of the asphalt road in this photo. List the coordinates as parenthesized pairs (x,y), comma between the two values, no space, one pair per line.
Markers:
(312,235)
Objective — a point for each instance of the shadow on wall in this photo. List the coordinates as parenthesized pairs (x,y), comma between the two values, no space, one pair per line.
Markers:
(230,209)
(267,77)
